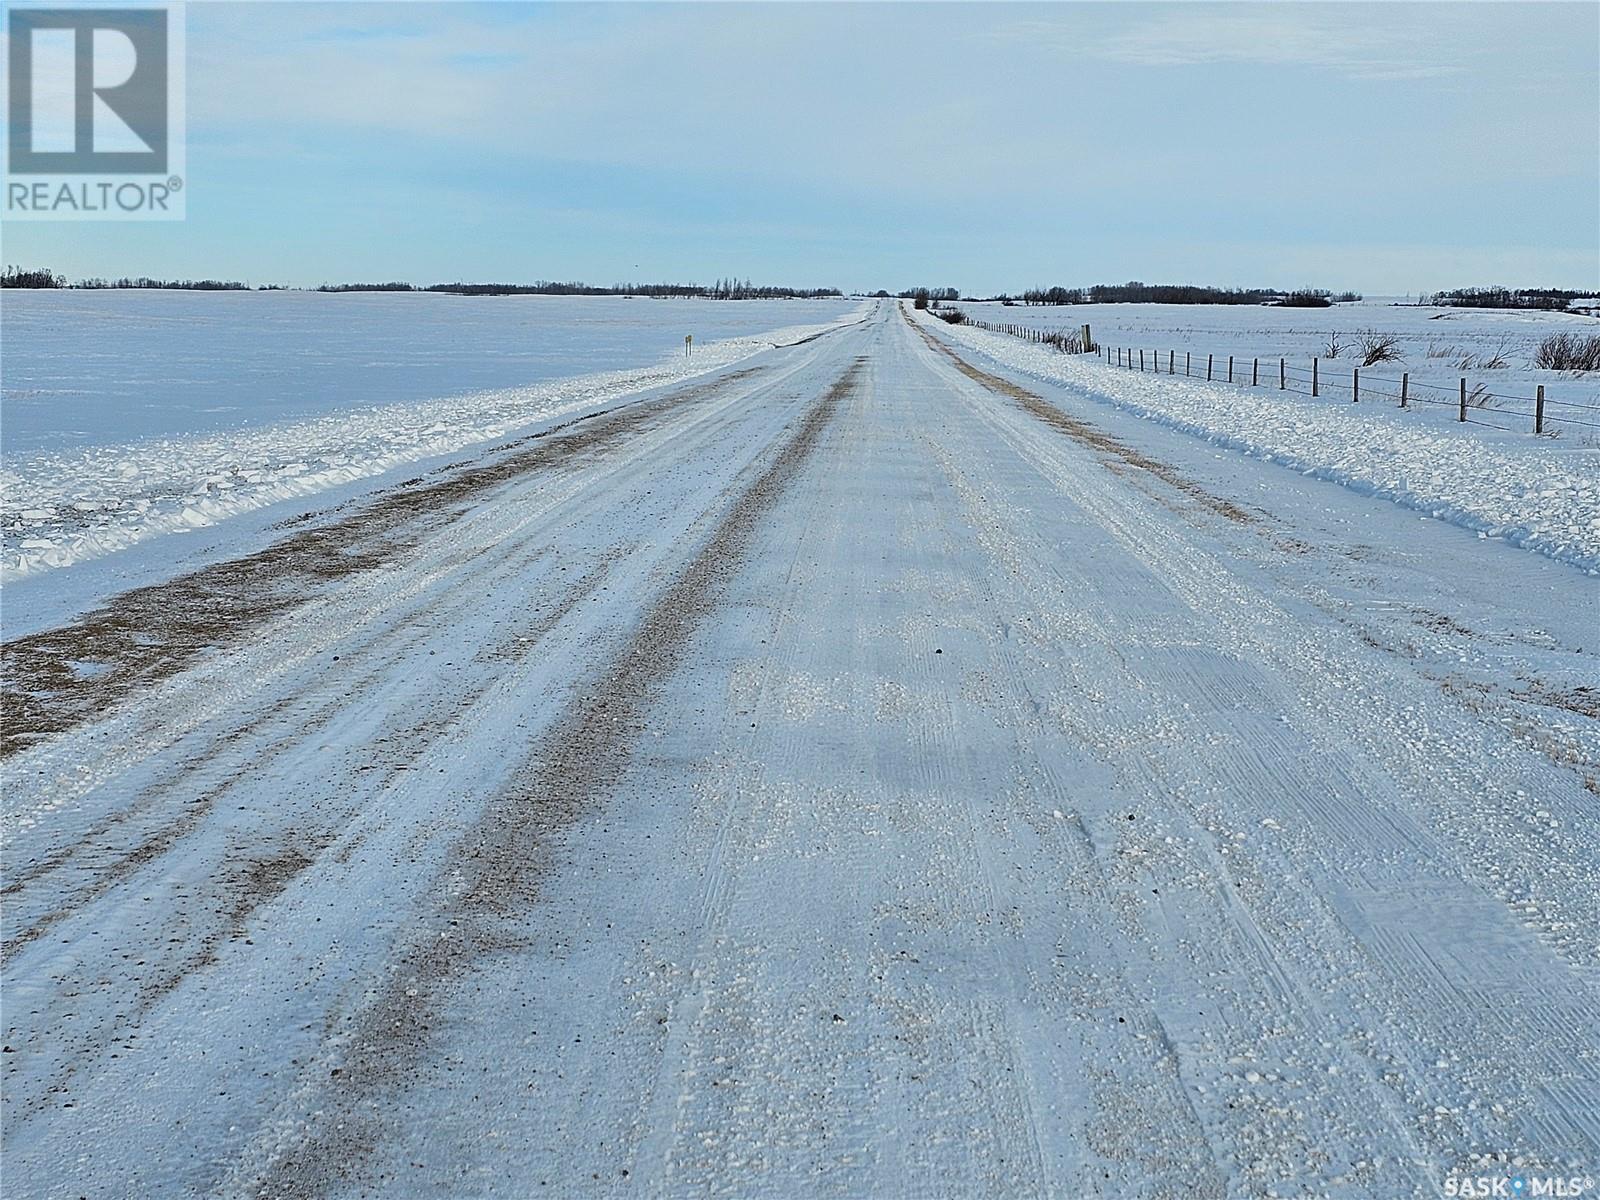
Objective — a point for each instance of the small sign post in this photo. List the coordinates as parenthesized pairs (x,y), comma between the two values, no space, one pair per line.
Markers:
(688,340)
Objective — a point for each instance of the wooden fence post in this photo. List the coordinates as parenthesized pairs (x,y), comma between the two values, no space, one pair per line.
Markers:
(1141,358)
(1255,371)
(1170,355)
(1405,386)
(1355,385)
(1186,357)
(1230,368)
(1463,413)
(1538,410)
(1313,377)
(1088,342)
(1283,376)
(1208,368)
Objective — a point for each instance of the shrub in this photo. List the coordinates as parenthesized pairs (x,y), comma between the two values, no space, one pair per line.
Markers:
(1334,348)
(952,316)
(1376,347)
(1568,352)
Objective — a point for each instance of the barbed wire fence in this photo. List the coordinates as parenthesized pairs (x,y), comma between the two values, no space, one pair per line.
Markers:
(1474,401)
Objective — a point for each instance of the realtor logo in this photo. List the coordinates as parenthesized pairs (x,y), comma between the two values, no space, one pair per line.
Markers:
(94,113)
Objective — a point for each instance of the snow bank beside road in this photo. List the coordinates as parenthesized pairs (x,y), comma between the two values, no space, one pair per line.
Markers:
(1531,492)
(59,509)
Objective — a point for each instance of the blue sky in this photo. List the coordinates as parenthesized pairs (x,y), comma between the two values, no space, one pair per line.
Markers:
(1386,147)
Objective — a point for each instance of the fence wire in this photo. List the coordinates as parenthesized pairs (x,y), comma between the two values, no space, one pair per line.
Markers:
(1480,407)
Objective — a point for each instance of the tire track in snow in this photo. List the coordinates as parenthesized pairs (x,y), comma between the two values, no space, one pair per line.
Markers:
(663,1159)
(151,832)
(494,871)
(241,872)
(1111,854)
(1133,1066)
(1395,1065)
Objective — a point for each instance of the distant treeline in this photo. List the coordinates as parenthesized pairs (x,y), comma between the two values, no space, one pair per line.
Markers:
(723,289)
(182,285)
(1550,299)
(1181,293)
(922,297)
(19,277)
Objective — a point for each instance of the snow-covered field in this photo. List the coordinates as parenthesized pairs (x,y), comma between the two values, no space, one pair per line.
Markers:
(864,770)
(1437,347)
(134,413)
(1539,493)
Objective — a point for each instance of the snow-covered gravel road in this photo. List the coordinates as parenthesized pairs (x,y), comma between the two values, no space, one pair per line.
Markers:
(852,773)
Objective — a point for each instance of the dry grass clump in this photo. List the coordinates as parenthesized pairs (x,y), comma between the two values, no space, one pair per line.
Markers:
(1568,352)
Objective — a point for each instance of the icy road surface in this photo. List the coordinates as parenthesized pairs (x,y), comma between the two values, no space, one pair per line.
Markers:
(853,773)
